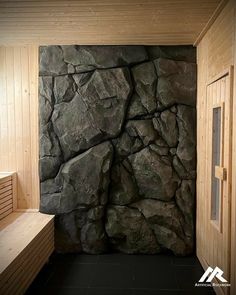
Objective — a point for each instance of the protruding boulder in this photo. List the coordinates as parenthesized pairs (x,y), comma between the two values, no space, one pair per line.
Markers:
(94,238)
(64,88)
(123,189)
(185,199)
(46,102)
(129,232)
(51,61)
(145,85)
(75,232)
(136,108)
(95,114)
(167,222)
(50,157)
(78,186)
(154,175)
(166,125)
(186,150)
(87,58)
(136,135)
(176,83)
(142,129)
(67,233)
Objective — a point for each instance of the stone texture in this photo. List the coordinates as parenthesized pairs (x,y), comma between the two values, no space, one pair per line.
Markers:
(185,200)
(166,125)
(145,84)
(87,58)
(51,61)
(154,175)
(186,150)
(96,112)
(78,186)
(167,222)
(117,147)
(50,153)
(176,83)
(181,53)
(123,188)
(129,232)
(75,232)
(46,102)
(136,108)
(64,88)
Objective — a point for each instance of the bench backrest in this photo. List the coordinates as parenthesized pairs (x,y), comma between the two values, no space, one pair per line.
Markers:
(7,194)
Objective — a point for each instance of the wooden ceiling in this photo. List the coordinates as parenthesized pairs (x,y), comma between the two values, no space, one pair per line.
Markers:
(103,22)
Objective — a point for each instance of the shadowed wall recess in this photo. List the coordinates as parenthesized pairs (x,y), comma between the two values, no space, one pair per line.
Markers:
(117,147)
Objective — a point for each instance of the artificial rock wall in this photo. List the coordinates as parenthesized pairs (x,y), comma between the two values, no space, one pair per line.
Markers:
(117,147)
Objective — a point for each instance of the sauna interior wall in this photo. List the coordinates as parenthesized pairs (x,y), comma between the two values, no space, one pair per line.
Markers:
(27,24)
(215,53)
(19,120)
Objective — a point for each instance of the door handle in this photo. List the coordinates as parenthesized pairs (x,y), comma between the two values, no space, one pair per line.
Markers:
(220,172)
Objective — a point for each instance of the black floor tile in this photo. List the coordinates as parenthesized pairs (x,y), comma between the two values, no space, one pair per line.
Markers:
(187,276)
(106,291)
(155,277)
(65,291)
(71,275)
(74,258)
(116,274)
(198,291)
(156,292)
(188,260)
(112,276)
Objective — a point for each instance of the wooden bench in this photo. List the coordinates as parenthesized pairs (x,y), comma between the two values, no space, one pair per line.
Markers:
(26,240)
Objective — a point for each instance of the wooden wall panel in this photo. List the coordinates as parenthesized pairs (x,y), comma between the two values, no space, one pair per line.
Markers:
(233,203)
(103,22)
(19,121)
(215,53)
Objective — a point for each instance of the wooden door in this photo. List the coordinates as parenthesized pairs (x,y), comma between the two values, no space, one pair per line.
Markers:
(218,180)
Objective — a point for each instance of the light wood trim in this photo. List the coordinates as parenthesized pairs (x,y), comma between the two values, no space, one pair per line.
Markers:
(210,22)
(14,191)
(220,75)
(220,173)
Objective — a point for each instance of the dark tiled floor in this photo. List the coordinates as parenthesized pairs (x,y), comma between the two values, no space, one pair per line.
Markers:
(119,274)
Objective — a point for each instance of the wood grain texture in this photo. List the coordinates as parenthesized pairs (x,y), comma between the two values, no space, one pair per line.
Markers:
(26,242)
(103,22)
(6,195)
(233,203)
(19,120)
(215,54)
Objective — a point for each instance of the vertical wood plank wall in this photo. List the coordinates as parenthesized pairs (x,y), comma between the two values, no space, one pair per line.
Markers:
(19,120)
(215,53)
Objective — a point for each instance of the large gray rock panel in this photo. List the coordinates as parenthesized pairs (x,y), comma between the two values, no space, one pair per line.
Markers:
(117,147)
